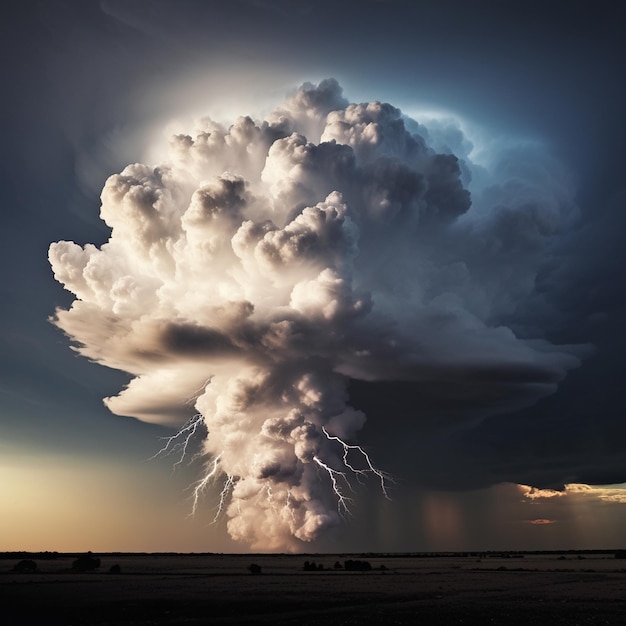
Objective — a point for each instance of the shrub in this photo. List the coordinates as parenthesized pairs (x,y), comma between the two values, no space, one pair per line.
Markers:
(86,563)
(25,565)
(357,566)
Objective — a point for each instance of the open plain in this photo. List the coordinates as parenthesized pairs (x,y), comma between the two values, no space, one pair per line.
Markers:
(488,588)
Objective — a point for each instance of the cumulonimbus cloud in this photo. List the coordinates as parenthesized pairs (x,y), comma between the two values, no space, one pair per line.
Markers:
(266,264)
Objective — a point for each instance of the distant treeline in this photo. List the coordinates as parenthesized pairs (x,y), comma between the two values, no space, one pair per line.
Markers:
(430,555)
(47,555)
(21,554)
(41,556)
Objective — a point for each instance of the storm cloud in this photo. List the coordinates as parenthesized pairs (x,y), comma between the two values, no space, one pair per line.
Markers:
(266,269)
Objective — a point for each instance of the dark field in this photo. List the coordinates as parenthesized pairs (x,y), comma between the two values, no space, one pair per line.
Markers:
(567,588)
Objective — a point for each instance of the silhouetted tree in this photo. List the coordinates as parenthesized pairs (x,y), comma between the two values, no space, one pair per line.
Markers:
(25,565)
(253,568)
(115,569)
(357,566)
(86,563)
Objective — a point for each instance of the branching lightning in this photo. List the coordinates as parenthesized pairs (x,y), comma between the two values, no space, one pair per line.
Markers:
(213,473)
(382,476)
(342,500)
(201,485)
(179,442)
(229,483)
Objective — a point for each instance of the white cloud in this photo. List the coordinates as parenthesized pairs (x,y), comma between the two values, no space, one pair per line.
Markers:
(277,258)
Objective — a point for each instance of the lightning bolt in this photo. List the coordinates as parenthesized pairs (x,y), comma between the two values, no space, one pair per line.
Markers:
(229,483)
(179,444)
(210,477)
(201,485)
(382,477)
(342,500)
(180,441)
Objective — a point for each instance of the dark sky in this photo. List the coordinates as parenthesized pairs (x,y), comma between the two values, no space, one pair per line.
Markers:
(86,85)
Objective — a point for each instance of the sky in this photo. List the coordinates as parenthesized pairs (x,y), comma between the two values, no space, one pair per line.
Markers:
(372,250)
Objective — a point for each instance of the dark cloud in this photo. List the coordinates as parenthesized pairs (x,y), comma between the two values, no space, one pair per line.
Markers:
(190,340)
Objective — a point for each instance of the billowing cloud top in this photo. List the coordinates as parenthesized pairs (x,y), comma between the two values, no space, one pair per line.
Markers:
(266,264)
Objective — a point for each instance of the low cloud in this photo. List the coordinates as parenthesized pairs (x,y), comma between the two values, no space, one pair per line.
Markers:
(577,491)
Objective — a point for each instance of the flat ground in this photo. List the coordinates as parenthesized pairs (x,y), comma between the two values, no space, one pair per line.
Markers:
(218,589)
